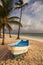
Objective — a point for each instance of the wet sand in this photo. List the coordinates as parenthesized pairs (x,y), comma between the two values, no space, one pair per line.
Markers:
(34,56)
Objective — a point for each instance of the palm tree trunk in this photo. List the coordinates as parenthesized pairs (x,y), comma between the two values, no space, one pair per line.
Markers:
(0,33)
(9,33)
(19,25)
(3,34)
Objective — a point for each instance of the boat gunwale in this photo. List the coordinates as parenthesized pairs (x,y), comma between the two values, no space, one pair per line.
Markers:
(13,45)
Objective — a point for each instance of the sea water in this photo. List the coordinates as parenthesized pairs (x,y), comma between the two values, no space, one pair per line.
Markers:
(33,35)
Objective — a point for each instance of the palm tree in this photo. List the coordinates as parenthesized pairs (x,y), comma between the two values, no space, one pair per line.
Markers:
(5,10)
(0,32)
(0,29)
(20,5)
(10,29)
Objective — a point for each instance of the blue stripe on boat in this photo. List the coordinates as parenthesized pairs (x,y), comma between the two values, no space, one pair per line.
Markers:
(14,43)
(20,43)
(17,55)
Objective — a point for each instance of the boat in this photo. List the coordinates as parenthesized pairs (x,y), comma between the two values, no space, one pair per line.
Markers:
(19,48)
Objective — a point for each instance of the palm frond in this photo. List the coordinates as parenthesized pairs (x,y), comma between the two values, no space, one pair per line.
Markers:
(24,5)
(1,26)
(8,26)
(15,22)
(2,12)
(17,7)
(13,17)
(8,5)
(20,2)
(20,6)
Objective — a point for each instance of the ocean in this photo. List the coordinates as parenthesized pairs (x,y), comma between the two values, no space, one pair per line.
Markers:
(36,35)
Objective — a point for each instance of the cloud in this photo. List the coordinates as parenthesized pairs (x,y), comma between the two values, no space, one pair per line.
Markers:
(0,2)
(25,1)
(33,18)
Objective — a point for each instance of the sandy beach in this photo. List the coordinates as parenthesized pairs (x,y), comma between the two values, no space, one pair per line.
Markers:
(34,56)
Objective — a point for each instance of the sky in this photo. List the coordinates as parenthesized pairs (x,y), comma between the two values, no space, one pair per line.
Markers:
(32,17)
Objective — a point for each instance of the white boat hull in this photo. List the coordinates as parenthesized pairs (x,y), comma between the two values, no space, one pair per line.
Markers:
(19,50)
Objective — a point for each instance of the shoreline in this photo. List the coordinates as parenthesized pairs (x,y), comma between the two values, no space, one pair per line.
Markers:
(30,38)
(14,39)
(33,38)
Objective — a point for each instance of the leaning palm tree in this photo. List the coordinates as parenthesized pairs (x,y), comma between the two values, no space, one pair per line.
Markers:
(7,26)
(0,29)
(20,5)
(10,29)
(5,10)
